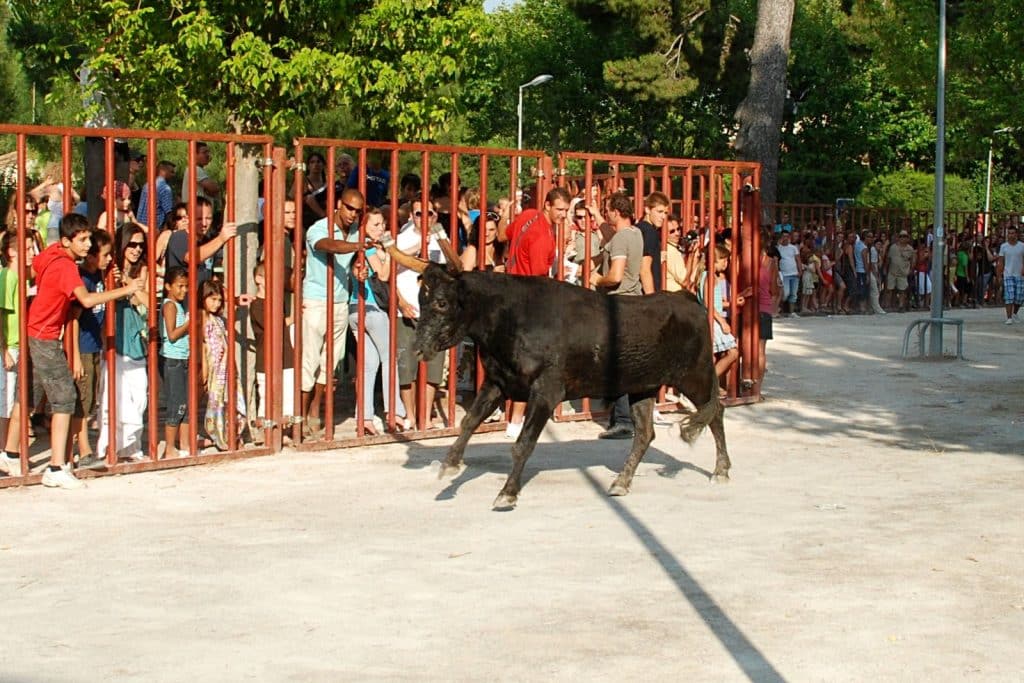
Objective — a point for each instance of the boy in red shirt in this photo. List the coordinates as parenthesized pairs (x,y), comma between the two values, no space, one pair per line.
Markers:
(58,284)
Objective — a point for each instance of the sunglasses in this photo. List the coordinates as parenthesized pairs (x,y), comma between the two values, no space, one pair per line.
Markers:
(429,213)
(356,209)
(136,245)
(673,232)
(580,217)
(180,216)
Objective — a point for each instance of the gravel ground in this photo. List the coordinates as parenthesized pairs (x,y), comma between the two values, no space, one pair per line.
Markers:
(871,531)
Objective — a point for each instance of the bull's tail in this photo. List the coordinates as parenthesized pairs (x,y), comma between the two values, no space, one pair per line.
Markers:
(696,419)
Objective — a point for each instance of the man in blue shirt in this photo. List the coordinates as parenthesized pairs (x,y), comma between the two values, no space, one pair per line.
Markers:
(165,170)
(340,243)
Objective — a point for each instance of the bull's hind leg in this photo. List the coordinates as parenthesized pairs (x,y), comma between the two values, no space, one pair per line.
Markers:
(722,463)
(487,399)
(538,411)
(642,412)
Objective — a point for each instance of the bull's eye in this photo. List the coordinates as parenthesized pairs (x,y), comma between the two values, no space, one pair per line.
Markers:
(441,304)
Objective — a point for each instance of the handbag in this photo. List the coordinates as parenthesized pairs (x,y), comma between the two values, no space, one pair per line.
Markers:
(381,292)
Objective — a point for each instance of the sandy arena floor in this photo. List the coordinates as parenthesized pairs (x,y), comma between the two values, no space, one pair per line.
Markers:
(872,531)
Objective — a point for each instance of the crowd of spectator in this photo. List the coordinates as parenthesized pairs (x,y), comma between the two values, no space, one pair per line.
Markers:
(880,271)
(589,237)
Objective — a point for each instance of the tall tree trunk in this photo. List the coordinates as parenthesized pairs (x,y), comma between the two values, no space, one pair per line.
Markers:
(760,113)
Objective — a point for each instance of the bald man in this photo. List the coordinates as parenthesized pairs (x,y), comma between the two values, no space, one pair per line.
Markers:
(340,242)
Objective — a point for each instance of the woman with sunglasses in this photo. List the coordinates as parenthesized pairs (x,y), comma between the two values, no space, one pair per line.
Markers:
(494,251)
(131,376)
(177,219)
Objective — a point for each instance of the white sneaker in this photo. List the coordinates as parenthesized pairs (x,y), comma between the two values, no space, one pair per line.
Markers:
(793,315)
(1009,321)
(137,456)
(513,430)
(10,466)
(497,416)
(62,478)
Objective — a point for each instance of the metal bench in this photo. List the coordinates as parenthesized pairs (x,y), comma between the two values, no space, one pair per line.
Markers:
(922,326)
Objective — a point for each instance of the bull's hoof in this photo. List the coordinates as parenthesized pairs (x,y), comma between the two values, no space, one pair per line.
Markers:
(618,489)
(443,469)
(505,501)
(720,478)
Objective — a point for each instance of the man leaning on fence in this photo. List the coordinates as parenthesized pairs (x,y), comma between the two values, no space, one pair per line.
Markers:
(340,242)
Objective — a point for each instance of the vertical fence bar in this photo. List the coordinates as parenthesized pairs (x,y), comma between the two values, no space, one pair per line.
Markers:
(152,313)
(229,259)
(360,332)
(110,310)
(23,354)
(330,360)
(422,407)
(298,235)
(195,341)
(454,220)
(392,312)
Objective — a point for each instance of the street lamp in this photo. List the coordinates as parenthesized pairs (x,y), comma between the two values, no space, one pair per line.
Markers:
(988,176)
(539,80)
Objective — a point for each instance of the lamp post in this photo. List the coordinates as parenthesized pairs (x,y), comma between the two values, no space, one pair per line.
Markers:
(539,80)
(988,175)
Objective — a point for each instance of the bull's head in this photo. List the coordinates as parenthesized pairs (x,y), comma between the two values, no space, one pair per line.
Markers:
(443,322)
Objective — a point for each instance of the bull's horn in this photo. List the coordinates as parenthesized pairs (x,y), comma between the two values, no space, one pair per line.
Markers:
(452,256)
(403,259)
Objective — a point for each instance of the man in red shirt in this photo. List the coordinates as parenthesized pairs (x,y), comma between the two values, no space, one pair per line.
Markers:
(531,251)
(531,237)
(58,285)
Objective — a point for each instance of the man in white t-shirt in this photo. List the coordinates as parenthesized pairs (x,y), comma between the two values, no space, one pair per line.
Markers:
(789,269)
(410,241)
(1011,268)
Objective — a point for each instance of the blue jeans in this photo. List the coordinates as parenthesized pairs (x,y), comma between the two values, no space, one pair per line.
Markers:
(790,286)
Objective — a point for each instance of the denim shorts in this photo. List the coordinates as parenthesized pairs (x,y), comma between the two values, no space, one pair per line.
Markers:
(51,375)
(176,390)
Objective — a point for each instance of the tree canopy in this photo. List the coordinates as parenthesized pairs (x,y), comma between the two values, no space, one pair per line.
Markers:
(657,77)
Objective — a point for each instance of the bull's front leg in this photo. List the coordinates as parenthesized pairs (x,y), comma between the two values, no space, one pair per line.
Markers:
(539,408)
(488,398)
(642,413)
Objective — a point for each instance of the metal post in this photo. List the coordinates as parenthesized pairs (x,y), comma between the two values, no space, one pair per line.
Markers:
(988,186)
(988,174)
(539,80)
(939,252)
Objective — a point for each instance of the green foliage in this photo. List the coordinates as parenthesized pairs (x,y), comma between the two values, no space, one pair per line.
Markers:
(272,65)
(909,189)
(15,105)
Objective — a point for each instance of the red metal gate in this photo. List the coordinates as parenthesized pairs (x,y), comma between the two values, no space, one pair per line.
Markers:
(710,196)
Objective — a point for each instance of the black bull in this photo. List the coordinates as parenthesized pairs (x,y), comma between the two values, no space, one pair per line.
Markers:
(542,341)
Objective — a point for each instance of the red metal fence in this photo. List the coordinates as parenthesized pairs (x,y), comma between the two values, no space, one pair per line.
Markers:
(296,192)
